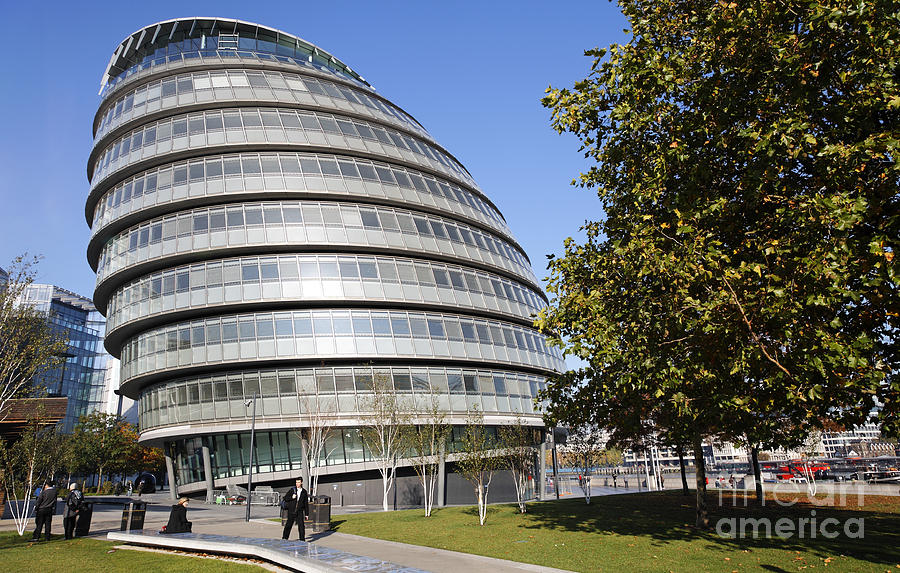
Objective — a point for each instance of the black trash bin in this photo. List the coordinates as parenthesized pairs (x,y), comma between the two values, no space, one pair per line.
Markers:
(83,521)
(133,513)
(319,514)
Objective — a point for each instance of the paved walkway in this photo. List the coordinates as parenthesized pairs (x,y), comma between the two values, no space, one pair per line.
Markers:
(230,520)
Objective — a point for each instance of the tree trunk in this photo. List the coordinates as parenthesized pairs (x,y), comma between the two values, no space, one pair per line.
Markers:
(757,475)
(519,481)
(428,486)
(700,465)
(684,484)
(481,511)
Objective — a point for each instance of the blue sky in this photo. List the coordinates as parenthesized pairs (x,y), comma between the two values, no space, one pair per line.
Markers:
(472,73)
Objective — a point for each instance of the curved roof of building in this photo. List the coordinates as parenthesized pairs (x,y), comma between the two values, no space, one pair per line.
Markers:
(122,57)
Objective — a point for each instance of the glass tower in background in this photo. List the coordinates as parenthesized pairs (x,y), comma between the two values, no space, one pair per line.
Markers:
(82,377)
(264,223)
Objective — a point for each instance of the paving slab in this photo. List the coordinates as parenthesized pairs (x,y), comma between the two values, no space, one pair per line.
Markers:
(230,521)
(295,555)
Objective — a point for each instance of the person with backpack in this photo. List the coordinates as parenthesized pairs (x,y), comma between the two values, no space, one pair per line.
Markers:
(296,506)
(73,507)
(44,509)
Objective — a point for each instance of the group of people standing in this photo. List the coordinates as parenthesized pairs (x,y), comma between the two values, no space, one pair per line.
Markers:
(45,508)
(294,505)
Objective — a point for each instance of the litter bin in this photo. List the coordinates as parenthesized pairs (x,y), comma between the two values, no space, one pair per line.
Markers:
(133,513)
(319,514)
(83,521)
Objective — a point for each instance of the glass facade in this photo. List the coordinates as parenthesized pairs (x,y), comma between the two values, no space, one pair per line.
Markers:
(315,278)
(320,334)
(258,86)
(183,41)
(307,223)
(209,178)
(82,377)
(266,127)
(278,451)
(264,224)
(295,392)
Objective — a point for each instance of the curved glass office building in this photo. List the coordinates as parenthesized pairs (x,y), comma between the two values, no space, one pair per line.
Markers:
(264,223)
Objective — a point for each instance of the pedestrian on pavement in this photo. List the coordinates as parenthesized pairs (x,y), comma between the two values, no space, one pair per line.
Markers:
(73,507)
(44,508)
(178,522)
(296,506)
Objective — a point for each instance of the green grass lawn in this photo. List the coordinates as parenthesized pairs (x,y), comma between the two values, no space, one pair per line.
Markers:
(645,532)
(21,555)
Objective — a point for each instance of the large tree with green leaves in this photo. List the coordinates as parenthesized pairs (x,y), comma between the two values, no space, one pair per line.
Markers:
(104,443)
(745,156)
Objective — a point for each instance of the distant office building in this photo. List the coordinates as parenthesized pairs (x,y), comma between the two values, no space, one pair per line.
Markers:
(842,444)
(715,454)
(265,223)
(81,378)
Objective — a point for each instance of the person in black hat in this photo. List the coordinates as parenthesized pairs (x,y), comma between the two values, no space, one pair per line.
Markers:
(296,505)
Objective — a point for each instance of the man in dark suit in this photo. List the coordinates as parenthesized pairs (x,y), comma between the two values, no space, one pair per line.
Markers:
(296,505)
(44,509)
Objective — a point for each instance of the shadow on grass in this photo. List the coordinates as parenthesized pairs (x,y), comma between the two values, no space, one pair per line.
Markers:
(490,511)
(665,517)
(10,539)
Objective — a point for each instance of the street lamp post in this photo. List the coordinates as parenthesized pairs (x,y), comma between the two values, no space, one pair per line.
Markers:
(252,437)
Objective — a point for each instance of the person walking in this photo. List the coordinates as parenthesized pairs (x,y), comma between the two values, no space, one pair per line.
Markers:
(178,522)
(296,505)
(44,508)
(73,507)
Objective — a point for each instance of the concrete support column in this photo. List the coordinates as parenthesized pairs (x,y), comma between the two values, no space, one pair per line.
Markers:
(442,480)
(207,472)
(555,472)
(542,478)
(304,463)
(170,469)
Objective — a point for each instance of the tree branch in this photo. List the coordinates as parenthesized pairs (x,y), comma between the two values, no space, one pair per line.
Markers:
(753,334)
